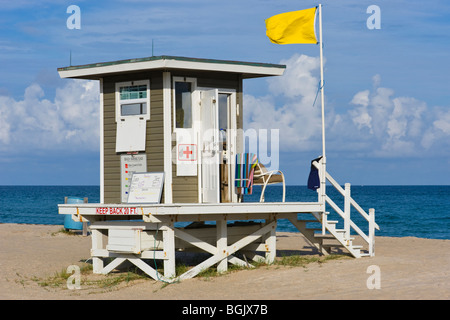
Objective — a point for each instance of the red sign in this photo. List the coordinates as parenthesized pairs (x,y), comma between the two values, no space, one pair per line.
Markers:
(126,210)
(187,152)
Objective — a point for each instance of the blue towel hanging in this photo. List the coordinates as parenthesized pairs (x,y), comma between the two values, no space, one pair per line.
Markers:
(313,179)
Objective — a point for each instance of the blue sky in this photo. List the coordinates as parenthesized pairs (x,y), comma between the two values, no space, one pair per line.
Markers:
(387,90)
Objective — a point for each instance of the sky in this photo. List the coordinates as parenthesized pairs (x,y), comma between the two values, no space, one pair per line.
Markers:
(387,90)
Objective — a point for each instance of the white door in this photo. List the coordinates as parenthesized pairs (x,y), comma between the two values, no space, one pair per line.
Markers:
(209,147)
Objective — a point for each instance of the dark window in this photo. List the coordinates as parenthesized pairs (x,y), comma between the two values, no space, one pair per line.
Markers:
(183,105)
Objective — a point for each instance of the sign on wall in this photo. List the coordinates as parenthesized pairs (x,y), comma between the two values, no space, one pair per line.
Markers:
(130,164)
(146,187)
(186,153)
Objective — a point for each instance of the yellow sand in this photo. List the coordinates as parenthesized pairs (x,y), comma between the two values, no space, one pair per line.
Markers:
(409,268)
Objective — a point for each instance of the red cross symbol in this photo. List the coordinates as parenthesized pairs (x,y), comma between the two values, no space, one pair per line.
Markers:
(187,152)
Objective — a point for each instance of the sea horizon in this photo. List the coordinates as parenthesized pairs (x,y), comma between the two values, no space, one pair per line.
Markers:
(400,210)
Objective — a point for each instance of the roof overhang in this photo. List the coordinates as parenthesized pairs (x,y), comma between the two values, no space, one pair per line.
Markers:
(96,71)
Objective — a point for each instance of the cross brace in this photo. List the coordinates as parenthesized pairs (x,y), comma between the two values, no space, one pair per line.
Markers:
(221,254)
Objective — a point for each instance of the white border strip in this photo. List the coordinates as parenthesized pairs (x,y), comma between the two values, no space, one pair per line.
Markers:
(102,150)
(172,64)
(167,92)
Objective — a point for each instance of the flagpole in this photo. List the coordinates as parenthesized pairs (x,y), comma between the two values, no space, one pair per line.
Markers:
(323,175)
(321,80)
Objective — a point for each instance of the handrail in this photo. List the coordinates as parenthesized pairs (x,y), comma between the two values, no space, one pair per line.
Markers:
(352,224)
(345,214)
(342,192)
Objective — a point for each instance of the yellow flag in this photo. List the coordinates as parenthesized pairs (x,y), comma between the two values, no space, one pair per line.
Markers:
(292,27)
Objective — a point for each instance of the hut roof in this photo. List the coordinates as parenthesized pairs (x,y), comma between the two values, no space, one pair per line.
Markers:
(96,71)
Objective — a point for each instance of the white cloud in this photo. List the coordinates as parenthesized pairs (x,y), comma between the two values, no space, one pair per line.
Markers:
(361,118)
(377,123)
(361,98)
(298,120)
(398,126)
(439,131)
(443,123)
(4,124)
(298,79)
(69,121)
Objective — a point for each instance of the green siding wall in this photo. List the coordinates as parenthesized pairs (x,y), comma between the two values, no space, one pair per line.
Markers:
(154,132)
(184,189)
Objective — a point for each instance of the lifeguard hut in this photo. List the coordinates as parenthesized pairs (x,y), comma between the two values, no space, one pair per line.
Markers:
(174,115)
(170,131)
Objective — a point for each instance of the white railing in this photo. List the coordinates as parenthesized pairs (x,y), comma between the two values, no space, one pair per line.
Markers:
(345,214)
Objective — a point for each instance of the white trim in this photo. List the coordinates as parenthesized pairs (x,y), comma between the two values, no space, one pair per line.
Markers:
(102,150)
(323,181)
(253,71)
(199,164)
(197,210)
(167,137)
(231,138)
(232,132)
(193,82)
(144,100)
(185,133)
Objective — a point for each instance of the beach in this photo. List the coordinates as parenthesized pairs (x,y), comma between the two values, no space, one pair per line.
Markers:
(403,268)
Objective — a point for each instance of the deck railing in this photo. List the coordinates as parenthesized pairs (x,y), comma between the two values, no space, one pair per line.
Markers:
(369,238)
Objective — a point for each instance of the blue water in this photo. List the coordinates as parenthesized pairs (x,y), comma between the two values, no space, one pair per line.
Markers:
(419,211)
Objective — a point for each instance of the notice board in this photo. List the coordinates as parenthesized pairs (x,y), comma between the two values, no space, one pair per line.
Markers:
(146,187)
(130,164)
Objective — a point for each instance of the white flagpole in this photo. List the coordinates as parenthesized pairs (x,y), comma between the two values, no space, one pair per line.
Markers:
(321,80)
(323,173)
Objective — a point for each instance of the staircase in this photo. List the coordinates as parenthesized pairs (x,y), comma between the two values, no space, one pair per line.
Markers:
(329,236)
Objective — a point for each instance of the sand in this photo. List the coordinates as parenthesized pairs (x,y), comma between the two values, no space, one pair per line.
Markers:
(409,268)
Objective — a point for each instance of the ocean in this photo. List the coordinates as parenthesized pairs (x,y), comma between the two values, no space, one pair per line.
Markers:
(400,211)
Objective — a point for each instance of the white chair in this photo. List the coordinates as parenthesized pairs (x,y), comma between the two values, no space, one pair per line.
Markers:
(264,177)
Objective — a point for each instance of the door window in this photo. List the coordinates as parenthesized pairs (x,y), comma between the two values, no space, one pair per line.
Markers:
(183,105)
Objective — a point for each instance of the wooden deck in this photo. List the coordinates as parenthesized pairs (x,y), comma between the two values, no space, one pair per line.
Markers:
(135,232)
(153,235)
(189,211)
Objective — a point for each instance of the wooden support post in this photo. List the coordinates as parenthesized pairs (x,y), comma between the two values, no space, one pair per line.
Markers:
(85,224)
(219,255)
(222,244)
(309,233)
(323,181)
(324,222)
(112,265)
(372,232)
(347,209)
(169,250)
(271,242)
(97,243)
(147,269)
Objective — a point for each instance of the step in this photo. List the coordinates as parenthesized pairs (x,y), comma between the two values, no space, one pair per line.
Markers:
(314,229)
(364,254)
(333,245)
(316,221)
(324,236)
